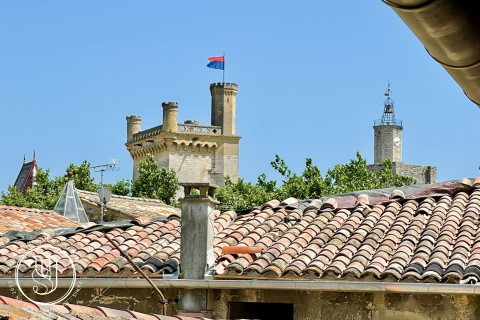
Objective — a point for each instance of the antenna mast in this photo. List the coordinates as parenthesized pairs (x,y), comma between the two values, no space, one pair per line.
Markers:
(101,193)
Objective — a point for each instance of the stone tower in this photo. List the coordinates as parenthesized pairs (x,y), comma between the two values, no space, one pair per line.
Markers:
(224,100)
(388,134)
(388,144)
(197,153)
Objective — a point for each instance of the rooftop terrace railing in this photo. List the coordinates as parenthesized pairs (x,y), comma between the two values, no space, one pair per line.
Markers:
(185,127)
(196,128)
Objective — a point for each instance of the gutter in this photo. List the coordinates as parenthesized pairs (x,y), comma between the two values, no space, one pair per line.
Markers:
(303,285)
(450,32)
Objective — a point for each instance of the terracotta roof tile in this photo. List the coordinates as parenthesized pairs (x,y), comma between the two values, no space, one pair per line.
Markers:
(26,219)
(16,309)
(430,236)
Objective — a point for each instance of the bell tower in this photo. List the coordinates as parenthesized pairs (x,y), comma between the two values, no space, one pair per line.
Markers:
(388,133)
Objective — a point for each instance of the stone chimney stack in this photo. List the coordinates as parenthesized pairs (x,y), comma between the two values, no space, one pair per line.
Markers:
(170,116)
(196,244)
(224,101)
(134,125)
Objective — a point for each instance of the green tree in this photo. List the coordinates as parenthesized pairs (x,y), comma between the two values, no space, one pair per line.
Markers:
(121,187)
(245,195)
(343,178)
(43,195)
(154,182)
(46,191)
(81,176)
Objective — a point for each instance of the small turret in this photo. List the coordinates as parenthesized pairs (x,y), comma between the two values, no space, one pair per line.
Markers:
(170,116)
(134,125)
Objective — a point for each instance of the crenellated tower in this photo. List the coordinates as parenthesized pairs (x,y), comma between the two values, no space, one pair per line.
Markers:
(198,153)
(224,100)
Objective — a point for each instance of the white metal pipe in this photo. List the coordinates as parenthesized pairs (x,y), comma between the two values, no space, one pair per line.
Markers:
(327,286)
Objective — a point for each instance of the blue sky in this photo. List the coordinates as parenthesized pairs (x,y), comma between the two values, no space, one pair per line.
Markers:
(311,78)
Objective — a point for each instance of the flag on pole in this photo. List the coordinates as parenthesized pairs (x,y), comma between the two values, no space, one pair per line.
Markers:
(217,62)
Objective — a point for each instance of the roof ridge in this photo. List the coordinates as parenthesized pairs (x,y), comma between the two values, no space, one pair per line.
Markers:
(124,197)
(3,206)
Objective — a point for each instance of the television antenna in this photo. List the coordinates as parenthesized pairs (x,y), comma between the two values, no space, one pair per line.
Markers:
(104,192)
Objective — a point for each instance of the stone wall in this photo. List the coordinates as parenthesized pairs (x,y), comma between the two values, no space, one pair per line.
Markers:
(93,213)
(191,167)
(353,306)
(422,174)
(308,305)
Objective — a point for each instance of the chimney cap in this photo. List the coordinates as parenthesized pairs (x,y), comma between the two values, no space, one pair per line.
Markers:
(206,189)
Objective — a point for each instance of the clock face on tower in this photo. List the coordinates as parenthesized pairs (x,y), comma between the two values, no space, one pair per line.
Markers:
(396,141)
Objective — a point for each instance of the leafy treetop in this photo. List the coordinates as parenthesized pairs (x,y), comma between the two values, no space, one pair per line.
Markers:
(352,176)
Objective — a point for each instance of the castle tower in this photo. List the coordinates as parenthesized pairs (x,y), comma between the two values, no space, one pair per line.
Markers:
(388,144)
(197,153)
(224,100)
(388,134)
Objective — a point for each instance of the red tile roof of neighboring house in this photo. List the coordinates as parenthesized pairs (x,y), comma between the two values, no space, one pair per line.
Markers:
(426,235)
(25,219)
(16,309)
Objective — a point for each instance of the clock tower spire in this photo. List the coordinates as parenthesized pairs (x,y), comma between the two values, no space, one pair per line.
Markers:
(388,133)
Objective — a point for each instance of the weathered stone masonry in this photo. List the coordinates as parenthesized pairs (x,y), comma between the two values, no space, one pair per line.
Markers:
(197,153)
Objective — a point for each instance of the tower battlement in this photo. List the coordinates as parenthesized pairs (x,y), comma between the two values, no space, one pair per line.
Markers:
(134,125)
(198,153)
(225,85)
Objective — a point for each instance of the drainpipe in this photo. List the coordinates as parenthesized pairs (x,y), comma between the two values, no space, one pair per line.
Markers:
(197,256)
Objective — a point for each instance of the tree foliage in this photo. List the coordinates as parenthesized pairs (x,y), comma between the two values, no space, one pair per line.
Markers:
(46,191)
(121,187)
(154,182)
(43,195)
(310,184)
(81,176)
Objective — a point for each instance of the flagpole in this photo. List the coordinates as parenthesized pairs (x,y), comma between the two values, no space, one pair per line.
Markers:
(224,67)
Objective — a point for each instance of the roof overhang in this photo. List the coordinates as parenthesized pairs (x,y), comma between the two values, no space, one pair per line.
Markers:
(450,32)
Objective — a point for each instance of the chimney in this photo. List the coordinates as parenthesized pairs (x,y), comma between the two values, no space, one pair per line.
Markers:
(134,125)
(196,245)
(170,116)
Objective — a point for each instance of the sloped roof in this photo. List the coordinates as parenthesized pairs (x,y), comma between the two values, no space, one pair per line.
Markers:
(145,240)
(26,176)
(430,235)
(16,309)
(26,219)
(131,206)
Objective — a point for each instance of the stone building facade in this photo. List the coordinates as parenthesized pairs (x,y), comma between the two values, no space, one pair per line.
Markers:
(197,153)
(388,144)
